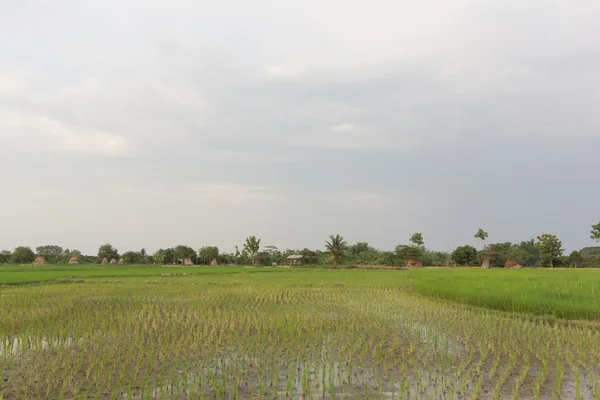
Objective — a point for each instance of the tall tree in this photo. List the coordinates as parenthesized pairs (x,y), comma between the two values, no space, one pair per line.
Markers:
(481,234)
(576,259)
(107,251)
(465,255)
(596,232)
(131,257)
(251,248)
(22,255)
(337,246)
(550,248)
(207,253)
(417,239)
(51,253)
(182,252)
(5,256)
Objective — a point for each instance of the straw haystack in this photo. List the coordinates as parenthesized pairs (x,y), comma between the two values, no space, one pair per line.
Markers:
(121,261)
(105,260)
(113,261)
(188,261)
(74,260)
(214,262)
(512,264)
(39,261)
(486,263)
(414,263)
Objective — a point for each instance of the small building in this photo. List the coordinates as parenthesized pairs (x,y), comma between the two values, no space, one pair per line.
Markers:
(295,260)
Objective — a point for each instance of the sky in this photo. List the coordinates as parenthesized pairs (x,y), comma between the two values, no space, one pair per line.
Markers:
(148,124)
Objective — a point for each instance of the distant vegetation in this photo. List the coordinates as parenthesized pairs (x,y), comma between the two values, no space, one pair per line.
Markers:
(544,251)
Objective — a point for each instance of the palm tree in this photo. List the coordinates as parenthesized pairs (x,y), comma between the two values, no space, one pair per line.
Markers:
(336,245)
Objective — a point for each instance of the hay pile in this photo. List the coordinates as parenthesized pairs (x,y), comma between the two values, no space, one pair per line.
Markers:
(188,261)
(214,262)
(105,260)
(486,263)
(113,261)
(121,261)
(39,261)
(414,263)
(74,260)
(512,264)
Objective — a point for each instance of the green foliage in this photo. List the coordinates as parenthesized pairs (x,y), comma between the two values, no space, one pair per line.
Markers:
(51,253)
(404,252)
(596,232)
(465,255)
(207,253)
(164,256)
(108,251)
(417,239)
(131,257)
(337,246)
(182,252)
(576,259)
(22,255)
(550,249)
(481,234)
(5,256)
(251,249)
(310,257)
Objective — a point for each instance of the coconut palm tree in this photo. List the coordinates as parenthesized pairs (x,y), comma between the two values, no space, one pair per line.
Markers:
(337,246)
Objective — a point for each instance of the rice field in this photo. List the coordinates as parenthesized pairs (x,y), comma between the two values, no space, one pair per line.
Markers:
(291,334)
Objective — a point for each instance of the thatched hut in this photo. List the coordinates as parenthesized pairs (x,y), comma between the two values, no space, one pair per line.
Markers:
(105,260)
(512,264)
(414,263)
(113,261)
(214,262)
(295,260)
(39,261)
(74,260)
(486,263)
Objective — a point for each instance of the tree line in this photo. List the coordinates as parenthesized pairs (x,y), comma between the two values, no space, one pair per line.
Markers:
(545,251)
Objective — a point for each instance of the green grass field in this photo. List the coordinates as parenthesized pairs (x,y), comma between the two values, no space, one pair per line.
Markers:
(569,294)
(242,333)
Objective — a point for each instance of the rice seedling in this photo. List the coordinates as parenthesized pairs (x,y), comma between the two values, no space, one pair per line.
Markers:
(256,336)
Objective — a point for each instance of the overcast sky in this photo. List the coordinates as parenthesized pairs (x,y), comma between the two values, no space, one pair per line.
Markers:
(154,123)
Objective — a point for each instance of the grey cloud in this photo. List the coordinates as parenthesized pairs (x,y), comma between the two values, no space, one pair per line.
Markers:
(375,121)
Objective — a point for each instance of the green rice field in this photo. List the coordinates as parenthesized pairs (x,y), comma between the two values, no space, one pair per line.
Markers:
(122,332)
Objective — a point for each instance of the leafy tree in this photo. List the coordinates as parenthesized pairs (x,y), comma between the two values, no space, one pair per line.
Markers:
(465,255)
(251,248)
(497,252)
(68,253)
(337,246)
(164,256)
(107,251)
(22,255)
(5,256)
(576,259)
(52,254)
(550,248)
(182,252)
(131,257)
(596,232)
(417,239)
(404,252)
(207,253)
(481,234)
(309,257)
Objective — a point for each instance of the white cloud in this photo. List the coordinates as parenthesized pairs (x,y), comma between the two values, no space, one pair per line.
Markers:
(226,193)
(345,127)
